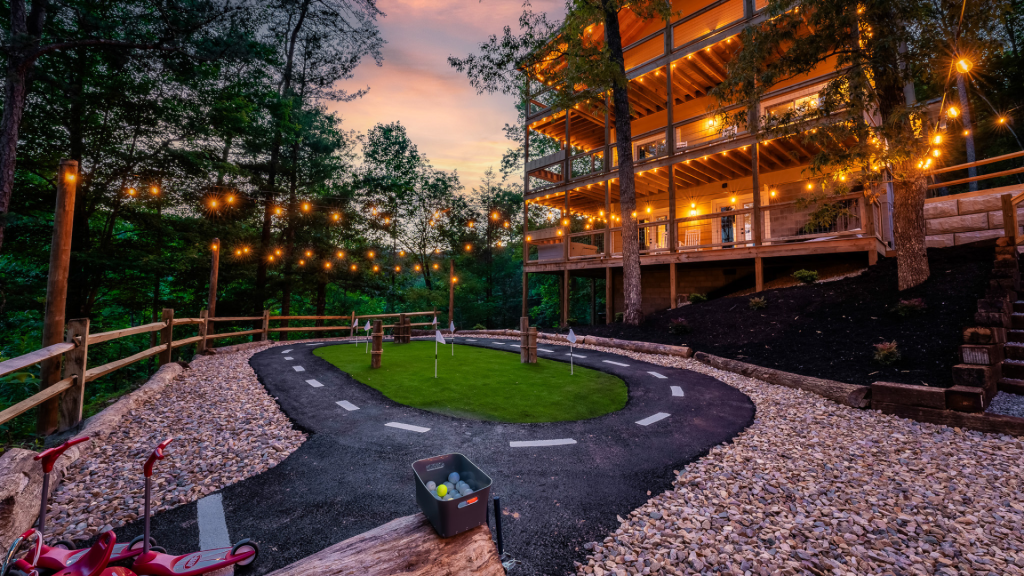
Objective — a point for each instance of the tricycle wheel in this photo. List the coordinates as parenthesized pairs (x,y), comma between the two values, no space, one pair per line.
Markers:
(244,546)
(136,542)
(159,549)
(65,545)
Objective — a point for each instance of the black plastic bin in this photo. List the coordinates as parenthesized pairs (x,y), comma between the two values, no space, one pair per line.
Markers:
(457,515)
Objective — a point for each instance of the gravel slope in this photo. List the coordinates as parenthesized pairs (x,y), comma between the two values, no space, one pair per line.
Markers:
(226,428)
(817,488)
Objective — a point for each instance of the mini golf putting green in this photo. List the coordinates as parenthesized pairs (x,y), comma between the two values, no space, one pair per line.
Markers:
(480,383)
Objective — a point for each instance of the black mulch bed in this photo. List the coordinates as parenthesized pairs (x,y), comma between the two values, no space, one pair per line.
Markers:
(829,330)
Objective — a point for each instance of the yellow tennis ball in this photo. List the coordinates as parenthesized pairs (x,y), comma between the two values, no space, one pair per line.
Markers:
(442,490)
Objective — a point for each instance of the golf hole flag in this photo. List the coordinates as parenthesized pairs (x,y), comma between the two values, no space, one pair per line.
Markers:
(367,328)
(355,327)
(572,342)
(438,339)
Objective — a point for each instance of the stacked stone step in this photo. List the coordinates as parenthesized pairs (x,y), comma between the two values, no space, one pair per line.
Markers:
(984,366)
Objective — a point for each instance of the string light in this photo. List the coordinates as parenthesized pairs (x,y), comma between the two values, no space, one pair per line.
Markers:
(271,258)
(231,199)
(335,216)
(371,254)
(69,177)
(937,139)
(468,247)
(418,268)
(353,267)
(305,206)
(435,266)
(1002,120)
(213,247)
(154,190)
(401,253)
(398,268)
(213,203)
(132,192)
(277,211)
(327,265)
(376,268)
(341,254)
(964,65)
(302,262)
(953,112)
(277,252)
(455,280)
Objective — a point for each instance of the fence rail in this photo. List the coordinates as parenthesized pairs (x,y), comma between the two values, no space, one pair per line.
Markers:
(76,343)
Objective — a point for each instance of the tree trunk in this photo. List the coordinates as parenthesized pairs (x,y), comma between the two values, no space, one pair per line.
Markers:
(965,118)
(908,219)
(633,313)
(14,106)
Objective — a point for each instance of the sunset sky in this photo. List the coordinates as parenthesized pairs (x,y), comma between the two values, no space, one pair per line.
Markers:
(452,125)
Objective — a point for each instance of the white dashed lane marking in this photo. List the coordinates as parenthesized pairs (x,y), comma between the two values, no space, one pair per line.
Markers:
(286,351)
(531,443)
(470,340)
(299,368)
(652,419)
(347,405)
(542,349)
(408,427)
(677,391)
(498,343)
(314,383)
(289,358)
(213,527)
(576,355)
(656,375)
(616,363)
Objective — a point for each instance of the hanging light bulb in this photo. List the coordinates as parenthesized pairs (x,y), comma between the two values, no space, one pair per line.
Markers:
(132,192)
(371,254)
(953,112)
(305,206)
(341,254)
(335,216)
(418,268)
(964,65)
(230,199)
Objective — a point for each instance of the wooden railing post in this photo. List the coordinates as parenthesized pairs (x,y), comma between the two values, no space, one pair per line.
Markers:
(377,347)
(211,301)
(74,366)
(167,336)
(202,332)
(266,326)
(57,290)
(1009,218)
(351,325)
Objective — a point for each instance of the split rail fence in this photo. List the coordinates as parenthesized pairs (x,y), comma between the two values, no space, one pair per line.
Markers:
(74,352)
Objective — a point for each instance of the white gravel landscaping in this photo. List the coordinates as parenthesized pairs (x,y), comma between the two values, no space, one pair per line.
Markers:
(813,487)
(225,428)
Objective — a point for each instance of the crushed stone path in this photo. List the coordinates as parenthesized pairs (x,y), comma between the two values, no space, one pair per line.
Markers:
(816,488)
(226,428)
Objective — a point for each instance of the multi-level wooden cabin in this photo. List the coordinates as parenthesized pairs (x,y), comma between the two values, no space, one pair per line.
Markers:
(716,207)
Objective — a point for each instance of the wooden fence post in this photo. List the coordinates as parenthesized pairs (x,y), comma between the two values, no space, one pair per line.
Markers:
(48,416)
(524,340)
(377,348)
(74,365)
(211,303)
(351,325)
(202,332)
(266,325)
(167,335)
(402,334)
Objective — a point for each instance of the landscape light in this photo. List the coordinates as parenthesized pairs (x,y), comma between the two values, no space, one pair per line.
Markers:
(967,132)
(213,247)
(277,210)
(455,279)
(506,224)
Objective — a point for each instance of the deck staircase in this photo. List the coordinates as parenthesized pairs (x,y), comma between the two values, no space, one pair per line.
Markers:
(1013,364)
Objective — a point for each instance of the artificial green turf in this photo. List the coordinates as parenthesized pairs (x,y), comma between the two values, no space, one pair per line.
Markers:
(481,383)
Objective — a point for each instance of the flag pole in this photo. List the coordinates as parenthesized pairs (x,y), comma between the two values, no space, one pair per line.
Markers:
(571,369)
(435,358)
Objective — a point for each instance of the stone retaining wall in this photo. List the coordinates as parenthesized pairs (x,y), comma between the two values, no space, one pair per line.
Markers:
(965,218)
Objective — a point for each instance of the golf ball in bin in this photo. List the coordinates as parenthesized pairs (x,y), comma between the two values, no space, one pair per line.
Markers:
(453,477)
(442,490)
(450,486)
(431,486)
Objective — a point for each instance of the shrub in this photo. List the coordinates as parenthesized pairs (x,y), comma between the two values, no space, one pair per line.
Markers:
(887,353)
(678,326)
(698,298)
(479,327)
(806,276)
(757,303)
(618,316)
(909,307)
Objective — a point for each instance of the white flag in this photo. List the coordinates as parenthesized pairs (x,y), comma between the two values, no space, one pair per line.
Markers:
(367,327)
(355,322)
(438,337)
(434,323)
(572,336)
(451,327)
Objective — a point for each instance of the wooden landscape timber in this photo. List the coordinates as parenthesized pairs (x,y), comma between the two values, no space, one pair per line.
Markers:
(850,395)
(408,546)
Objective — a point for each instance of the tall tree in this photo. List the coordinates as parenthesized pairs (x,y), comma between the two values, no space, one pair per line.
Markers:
(582,66)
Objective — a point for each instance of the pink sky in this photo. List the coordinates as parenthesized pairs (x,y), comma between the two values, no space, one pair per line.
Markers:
(453,126)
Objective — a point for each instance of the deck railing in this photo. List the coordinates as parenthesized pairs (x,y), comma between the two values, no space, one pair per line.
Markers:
(74,350)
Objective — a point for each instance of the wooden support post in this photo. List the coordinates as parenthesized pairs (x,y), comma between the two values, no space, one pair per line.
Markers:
(377,344)
(211,300)
(166,336)
(565,297)
(74,365)
(265,336)
(757,220)
(351,324)
(532,345)
(609,299)
(524,340)
(203,331)
(526,293)
(48,414)
(1009,219)
(672,287)
(872,257)
(401,334)
(451,290)
(758,274)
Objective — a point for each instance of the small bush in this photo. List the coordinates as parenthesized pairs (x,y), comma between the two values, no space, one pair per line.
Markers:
(618,317)
(479,327)
(757,303)
(910,307)
(678,326)
(698,298)
(806,276)
(887,353)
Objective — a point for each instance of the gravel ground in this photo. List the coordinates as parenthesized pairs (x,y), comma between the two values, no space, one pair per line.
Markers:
(226,428)
(1007,405)
(813,487)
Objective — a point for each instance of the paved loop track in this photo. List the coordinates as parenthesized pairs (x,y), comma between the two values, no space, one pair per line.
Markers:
(354,472)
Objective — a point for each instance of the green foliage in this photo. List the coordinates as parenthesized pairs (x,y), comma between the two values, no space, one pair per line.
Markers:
(618,317)
(678,326)
(886,353)
(757,303)
(697,298)
(479,327)
(806,276)
(909,307)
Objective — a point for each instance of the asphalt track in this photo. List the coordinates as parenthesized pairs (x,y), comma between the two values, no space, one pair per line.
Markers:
(354,472)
